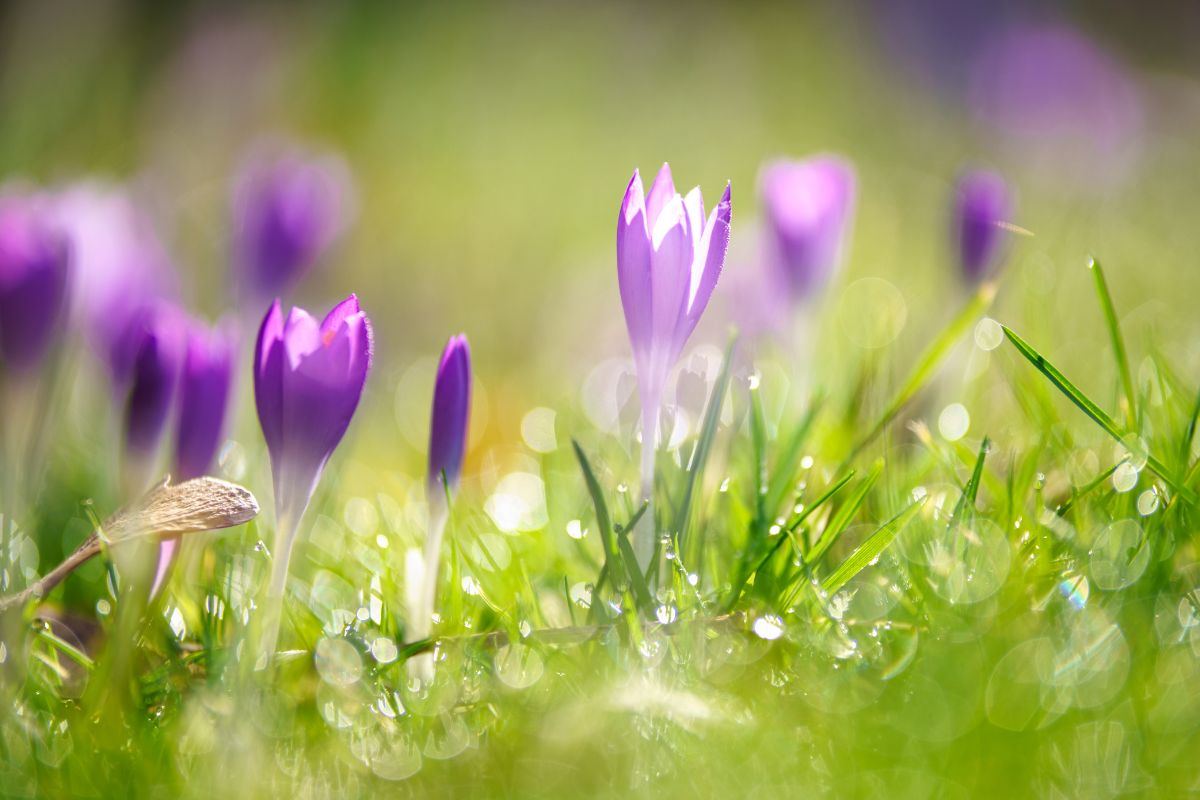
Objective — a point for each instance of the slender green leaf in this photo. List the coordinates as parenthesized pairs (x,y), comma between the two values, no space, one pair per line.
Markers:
(869,550)
(1093,411)
(930,360)
(1118,342)
(971,490)
(845,514)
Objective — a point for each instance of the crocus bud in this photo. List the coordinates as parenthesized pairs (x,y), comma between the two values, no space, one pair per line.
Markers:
(308,378)
(154,375)
(982,205)
(34,260)
(808,207)
(203,400)
(669,256)
(451,409)
(288,209)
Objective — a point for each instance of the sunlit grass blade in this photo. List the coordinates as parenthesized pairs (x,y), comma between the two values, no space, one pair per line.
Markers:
(930,360)
(869,550)
(708,432)
(1087,488)
(845,514)
(1118,342)
(1097,414)
(967,499)
(618,554)
(785,465)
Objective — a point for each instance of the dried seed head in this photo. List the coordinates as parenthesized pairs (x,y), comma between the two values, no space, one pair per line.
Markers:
(200,504)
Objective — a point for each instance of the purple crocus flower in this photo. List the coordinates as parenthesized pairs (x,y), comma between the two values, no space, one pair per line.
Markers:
(34,266)
(808,207)
(158,354)
(121,270)
(447,446)
(308,379)
(203,399)
(289,208)
(669,256)
(451,408)
(982,204)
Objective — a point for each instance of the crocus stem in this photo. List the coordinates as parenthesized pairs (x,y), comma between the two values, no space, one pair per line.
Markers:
(281,556)
(421,624)
(643,534)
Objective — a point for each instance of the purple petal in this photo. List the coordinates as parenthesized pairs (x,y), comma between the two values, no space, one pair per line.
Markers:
(633,265)
(269,358)
(154,378)
(706,267)
(203,401)
(450,414)
(670,271)
(661,192)
(34,267)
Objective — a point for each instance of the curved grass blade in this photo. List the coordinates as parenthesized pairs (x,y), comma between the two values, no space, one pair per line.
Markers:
(841,520)
(967,499)
(1118,342)
(1097,414)
(869,550)
(930,360)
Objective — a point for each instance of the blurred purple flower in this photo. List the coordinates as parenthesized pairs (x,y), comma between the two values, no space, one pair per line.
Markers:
(308,378)
(1059,96)
(982,204)
(289,208)
(120,270)
(153,377)
(34,270)
(669,257)
(808,208)
(203,399)
(451,412)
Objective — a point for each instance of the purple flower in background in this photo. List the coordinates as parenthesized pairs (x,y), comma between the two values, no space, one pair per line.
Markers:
(121,270)
(808,207)
(982,204)
(203,399)
(152,380)
(288,209)
(451,410)
(669,256)
(34,267)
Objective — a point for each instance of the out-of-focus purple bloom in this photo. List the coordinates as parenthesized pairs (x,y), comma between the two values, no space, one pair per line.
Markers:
(451,411)
(808,207)
(121,270)
(203,399)
(982,204)
(669,256)
(308,378)
(34,269)
(153,378)
(1060,97)
(289,208)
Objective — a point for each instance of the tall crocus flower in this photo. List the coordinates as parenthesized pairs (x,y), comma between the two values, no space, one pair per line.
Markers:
(982,205)
(669,256)
(34,260)
(308,379)
(289,207)
(447,446)
(204,386)
(808,207)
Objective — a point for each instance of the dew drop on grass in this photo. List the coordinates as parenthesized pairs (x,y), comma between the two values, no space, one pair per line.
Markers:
(576,530)
(581,594)
(1119,555)
(384,650)
(471,586)
(666,614)
(337,662)
(806,462)
(769,627)
(518,666)
(988,334)
(1147,502)
(953,422)
(1125,477)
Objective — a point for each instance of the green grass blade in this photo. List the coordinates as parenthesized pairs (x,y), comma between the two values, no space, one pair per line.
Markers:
(841,520)
(617,550)
(708,432)
(967,499)
(1093,411)
(930,360)
(869,550)
(1118,342)
(785,464)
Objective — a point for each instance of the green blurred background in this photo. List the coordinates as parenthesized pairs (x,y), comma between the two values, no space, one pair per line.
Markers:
(490,144)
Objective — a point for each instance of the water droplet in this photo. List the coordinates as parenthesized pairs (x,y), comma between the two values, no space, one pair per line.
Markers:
(1148,502)
(953,422)
(1125,477)
(337,662)
(384,650)
(666,614)
(518,666)
(576,530)
(769,627)
(806,462)
(988,334)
